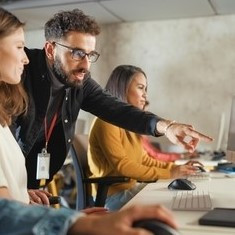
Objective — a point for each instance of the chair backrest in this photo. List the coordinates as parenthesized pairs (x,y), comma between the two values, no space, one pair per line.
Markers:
(78,152)
(80,144)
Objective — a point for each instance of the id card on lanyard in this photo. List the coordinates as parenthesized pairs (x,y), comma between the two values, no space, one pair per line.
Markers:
(43,165)
(43,159)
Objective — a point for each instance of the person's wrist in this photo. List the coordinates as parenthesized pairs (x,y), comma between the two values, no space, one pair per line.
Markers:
(163,125)
(168,126)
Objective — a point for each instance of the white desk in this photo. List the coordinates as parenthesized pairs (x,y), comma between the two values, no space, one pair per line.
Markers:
(221,188)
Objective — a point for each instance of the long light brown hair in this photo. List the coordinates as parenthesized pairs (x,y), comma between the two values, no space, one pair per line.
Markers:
(13,99)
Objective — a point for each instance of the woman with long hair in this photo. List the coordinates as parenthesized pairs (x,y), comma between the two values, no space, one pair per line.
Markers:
(114,151)
(13,101)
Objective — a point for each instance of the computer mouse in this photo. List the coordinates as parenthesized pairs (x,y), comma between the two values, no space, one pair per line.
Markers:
(156,227)
(218,155)
(201,169)
(181,184)
(54,200)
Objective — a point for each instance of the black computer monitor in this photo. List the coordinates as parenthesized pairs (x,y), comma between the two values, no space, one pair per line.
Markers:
(230,154)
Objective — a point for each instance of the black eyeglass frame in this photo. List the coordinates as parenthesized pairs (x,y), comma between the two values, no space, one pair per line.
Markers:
(82,53)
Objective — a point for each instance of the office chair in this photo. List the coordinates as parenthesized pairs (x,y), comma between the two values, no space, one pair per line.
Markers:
(78,153)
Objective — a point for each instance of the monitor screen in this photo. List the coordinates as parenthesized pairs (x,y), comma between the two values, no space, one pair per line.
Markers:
(230,155)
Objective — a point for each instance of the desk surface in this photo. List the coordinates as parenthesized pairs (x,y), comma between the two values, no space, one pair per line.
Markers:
(222,191)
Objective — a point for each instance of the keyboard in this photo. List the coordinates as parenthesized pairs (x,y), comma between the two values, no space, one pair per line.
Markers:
(199,176)
(194,200)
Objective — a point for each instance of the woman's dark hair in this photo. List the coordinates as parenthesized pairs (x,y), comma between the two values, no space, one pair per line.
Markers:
(120,80)
(13,99)
(66,21)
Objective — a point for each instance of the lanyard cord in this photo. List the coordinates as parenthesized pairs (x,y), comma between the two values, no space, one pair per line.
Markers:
(49,131)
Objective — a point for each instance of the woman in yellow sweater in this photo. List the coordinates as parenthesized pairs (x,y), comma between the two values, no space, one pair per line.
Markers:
(114,151)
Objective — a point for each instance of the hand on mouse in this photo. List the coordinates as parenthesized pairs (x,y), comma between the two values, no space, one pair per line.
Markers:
(121,222)
(197,164)
(178,171)
(39,196)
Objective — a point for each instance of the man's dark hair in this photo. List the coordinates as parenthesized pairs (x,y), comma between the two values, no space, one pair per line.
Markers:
(66,21)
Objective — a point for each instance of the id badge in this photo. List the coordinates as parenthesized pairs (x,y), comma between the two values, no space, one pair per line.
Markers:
(43,164)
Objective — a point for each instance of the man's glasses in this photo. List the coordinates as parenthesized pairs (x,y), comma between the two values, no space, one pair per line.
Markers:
(78,54)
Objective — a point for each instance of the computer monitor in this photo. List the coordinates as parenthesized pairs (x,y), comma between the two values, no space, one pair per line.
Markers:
(230,154)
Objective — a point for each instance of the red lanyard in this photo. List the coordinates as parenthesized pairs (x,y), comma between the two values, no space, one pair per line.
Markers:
(49,131)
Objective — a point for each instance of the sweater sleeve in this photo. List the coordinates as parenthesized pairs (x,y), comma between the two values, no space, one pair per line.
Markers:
(127,161)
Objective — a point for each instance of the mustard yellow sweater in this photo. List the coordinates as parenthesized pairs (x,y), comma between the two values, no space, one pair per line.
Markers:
(113,151)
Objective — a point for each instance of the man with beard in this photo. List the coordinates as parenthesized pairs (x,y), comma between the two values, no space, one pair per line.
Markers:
(58,84)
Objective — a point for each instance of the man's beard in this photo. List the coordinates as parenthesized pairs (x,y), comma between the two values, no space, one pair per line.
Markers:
(63,77)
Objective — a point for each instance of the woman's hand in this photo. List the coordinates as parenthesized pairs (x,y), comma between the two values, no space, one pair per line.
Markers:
(178,171)
(37,196)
